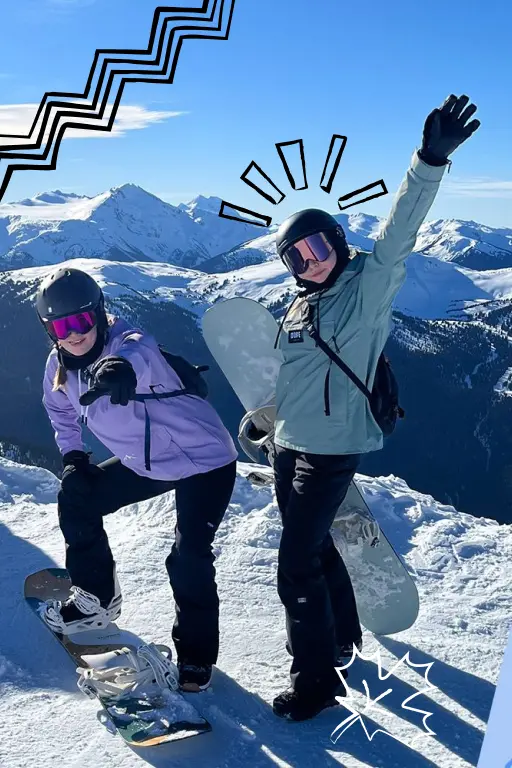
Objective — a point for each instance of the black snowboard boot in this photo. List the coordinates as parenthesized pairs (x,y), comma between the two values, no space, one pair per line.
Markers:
(194,677)
(82,611)
(295,706)
(344,652)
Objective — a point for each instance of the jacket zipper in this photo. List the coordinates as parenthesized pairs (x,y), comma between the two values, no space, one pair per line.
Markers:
(327,403)
(327,383)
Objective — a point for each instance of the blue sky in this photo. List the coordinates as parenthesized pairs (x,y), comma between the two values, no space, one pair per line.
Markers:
(290,69)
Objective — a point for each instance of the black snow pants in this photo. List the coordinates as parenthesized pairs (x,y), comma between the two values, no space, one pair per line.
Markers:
(312,579)
(201,501)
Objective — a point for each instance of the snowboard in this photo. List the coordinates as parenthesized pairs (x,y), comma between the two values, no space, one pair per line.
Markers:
(141,721)
(240,333)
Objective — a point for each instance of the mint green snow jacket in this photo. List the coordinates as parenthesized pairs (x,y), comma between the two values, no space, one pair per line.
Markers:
(354,318)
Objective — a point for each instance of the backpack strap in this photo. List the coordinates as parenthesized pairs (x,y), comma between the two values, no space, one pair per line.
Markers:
(161,395)
(339,362)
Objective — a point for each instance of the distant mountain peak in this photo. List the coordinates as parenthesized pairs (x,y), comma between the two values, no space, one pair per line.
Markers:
(211,204)
(54,197)
(130,190)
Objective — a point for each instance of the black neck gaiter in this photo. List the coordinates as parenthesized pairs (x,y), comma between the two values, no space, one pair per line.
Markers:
(78,362)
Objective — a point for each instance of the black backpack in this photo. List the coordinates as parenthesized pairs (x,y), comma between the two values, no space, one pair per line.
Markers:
(383,398)
(191,375)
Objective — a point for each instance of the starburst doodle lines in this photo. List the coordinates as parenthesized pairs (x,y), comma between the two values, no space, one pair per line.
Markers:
(298,181)
(371,703)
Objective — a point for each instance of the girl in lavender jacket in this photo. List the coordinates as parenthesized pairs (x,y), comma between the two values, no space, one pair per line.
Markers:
(175,444)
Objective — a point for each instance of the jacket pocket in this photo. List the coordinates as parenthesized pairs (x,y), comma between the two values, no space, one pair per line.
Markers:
(336,382)
(162,443)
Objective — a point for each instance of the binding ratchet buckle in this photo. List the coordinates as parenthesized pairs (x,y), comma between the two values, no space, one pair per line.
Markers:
(256,433)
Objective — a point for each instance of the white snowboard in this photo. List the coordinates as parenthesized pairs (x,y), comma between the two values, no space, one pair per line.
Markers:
(240,334)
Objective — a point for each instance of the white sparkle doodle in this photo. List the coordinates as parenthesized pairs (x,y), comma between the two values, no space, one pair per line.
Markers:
(357,716)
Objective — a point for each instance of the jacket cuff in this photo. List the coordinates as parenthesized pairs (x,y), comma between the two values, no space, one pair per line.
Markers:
(427,172)
(71,457)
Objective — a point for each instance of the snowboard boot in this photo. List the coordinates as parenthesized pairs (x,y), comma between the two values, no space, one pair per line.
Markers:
(344,652)
(299,706)
(194,677)
(82,611)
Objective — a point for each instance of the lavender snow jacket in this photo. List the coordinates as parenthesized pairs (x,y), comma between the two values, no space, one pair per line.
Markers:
(187,435)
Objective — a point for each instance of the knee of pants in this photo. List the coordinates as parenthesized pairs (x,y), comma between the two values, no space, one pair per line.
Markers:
(69,498)
(189,556)
(76,517)
(194,542)
(298,554)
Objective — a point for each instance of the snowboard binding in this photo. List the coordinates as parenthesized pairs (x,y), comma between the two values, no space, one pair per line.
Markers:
(256,433)
(354,526)
(124,673)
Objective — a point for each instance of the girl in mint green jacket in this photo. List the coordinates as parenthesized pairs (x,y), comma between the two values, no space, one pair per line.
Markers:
(323,421)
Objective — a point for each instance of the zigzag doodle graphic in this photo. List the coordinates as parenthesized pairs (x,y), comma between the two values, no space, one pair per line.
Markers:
(171,25)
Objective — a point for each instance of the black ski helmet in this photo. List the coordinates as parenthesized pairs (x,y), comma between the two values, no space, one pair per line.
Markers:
(311,221)
(68,291)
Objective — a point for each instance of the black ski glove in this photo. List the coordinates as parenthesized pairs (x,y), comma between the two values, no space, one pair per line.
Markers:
(112,375)
(445,129)
(78,472)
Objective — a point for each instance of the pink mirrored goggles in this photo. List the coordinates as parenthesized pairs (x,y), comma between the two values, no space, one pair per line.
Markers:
(81,323)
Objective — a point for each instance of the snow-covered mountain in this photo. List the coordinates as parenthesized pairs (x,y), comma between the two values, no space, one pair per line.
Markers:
(56,196)
(125,223)
(258,251)
(201,205)
(433,289)
(460,565)
(468,243)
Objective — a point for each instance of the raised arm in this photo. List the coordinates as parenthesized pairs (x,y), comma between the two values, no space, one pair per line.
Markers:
(384,269)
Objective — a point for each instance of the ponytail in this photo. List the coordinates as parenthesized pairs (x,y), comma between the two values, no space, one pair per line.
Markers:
(60,378)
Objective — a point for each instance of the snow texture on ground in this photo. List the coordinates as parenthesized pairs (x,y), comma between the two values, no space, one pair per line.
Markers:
(460,564)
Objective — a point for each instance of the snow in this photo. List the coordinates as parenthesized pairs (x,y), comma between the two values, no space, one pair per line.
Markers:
(433,289)
(449,239)
(460,564)
(504,385)
(133,232)
(56,226)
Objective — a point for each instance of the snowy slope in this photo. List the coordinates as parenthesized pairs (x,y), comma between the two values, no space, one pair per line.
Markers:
(460,564)
(469,243)
(125,223)
(433,289)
